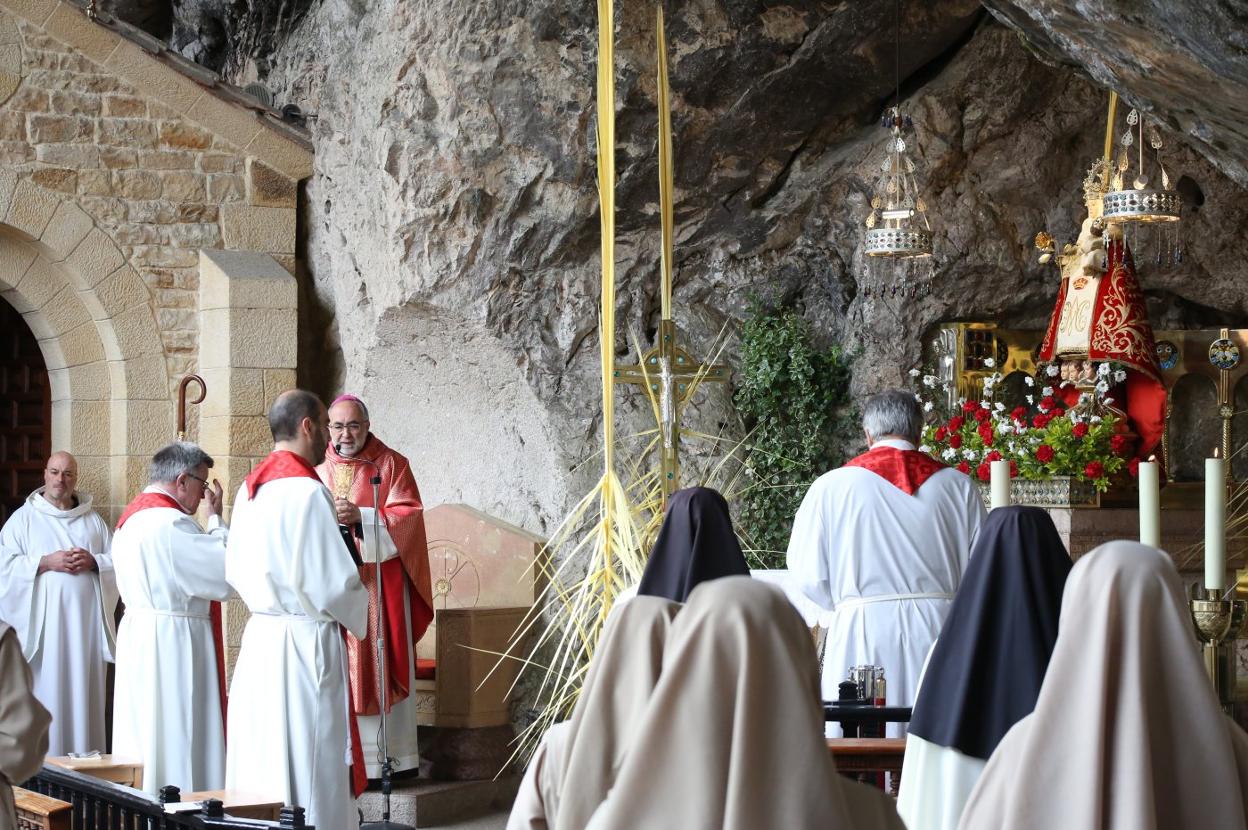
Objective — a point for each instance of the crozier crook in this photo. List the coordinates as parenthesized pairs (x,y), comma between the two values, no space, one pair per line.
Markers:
(203,392)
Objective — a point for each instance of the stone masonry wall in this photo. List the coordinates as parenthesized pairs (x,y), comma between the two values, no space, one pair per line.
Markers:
(158,185)
(119,166)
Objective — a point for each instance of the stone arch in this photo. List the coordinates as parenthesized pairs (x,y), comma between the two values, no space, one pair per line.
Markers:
(92,316)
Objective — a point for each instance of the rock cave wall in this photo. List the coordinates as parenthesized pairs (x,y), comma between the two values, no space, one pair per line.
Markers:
(451,221)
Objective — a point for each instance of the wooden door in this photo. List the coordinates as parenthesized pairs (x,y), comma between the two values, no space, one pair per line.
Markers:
(25,411)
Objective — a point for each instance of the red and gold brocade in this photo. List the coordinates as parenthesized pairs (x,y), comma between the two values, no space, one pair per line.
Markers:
(1121,332)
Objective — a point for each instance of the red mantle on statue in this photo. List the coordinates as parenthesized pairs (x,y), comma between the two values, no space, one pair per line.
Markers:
(1121,333)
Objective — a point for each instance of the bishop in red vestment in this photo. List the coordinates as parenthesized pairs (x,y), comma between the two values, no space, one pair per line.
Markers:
(353,457)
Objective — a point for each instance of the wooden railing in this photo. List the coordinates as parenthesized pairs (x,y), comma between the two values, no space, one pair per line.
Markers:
(103,805)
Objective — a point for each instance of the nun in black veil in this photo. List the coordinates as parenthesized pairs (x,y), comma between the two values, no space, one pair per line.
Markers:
(985,671)
(696,543)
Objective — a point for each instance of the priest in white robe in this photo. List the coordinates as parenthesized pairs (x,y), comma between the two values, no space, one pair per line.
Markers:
(288,720)
(882,542)
(58,593)
(167,704)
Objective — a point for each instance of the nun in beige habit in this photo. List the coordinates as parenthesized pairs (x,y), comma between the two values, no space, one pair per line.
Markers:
(733,735)
(1127,733)
(575,763)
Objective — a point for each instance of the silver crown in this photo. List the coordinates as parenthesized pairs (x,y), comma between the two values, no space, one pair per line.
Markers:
(1142,206)
(1140,200)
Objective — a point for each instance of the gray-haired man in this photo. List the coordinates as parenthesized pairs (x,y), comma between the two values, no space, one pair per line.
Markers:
(168,708)
(883,542)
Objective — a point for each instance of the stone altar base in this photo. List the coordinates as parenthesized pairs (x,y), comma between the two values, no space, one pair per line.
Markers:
(456,781)
(1182,533)
(424,803)
(1182,536)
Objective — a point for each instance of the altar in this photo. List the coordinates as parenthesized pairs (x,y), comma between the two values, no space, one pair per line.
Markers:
(1182,534)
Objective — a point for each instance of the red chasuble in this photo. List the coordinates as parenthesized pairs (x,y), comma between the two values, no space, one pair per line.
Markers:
(285,464)
(1121,332)
(402,514)
(144,501)
(904,469)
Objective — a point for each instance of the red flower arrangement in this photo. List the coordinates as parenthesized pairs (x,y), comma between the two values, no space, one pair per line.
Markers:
(1045,444)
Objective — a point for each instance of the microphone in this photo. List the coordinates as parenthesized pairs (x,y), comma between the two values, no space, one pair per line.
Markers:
(383,679)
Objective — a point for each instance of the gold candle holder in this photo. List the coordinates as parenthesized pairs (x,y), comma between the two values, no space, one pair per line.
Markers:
(1219,623)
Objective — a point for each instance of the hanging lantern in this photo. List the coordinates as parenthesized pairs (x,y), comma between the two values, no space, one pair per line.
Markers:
(897,226)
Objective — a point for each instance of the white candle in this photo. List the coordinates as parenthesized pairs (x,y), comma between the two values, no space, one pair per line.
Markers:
(1150,504)
(1215,523)
(1000,483)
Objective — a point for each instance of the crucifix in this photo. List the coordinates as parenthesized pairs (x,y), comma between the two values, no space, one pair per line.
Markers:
(667,370)
(672,374)
(182,386)
(1225,356)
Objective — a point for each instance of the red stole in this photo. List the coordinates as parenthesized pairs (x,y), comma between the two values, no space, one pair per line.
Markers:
(402,515)
(286,464)
(142,502)
(904,469)
(279,464)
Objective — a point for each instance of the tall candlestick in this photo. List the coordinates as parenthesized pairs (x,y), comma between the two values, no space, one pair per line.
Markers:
(1150,504)
(1000,483)
(1215,523)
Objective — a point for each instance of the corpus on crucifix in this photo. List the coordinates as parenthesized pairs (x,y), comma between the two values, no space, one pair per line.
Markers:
(672,374)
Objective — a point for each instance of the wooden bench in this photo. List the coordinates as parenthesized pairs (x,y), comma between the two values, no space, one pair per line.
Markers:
(40,812)
(240,804)
(857,757)
(115,768)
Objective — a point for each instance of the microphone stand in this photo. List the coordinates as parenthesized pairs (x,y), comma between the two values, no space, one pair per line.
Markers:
(387,763)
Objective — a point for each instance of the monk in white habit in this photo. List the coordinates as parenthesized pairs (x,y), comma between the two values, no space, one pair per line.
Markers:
(1126,732)
(291,735)
(883,542)
(23,724)
(353,457)
(58,593)
(732,736)
(168,703)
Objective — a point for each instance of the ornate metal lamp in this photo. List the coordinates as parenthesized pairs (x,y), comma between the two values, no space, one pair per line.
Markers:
(897,225)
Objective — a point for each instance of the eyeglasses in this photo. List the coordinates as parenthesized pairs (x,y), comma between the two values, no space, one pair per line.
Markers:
(202,481)
(350,426)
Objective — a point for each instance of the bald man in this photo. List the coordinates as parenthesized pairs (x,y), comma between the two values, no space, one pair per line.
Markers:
(58,593)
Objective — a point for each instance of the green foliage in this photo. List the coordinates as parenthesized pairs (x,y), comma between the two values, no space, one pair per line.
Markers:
(793,398)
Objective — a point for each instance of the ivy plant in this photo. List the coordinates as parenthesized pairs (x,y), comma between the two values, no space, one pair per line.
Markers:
(793,396)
